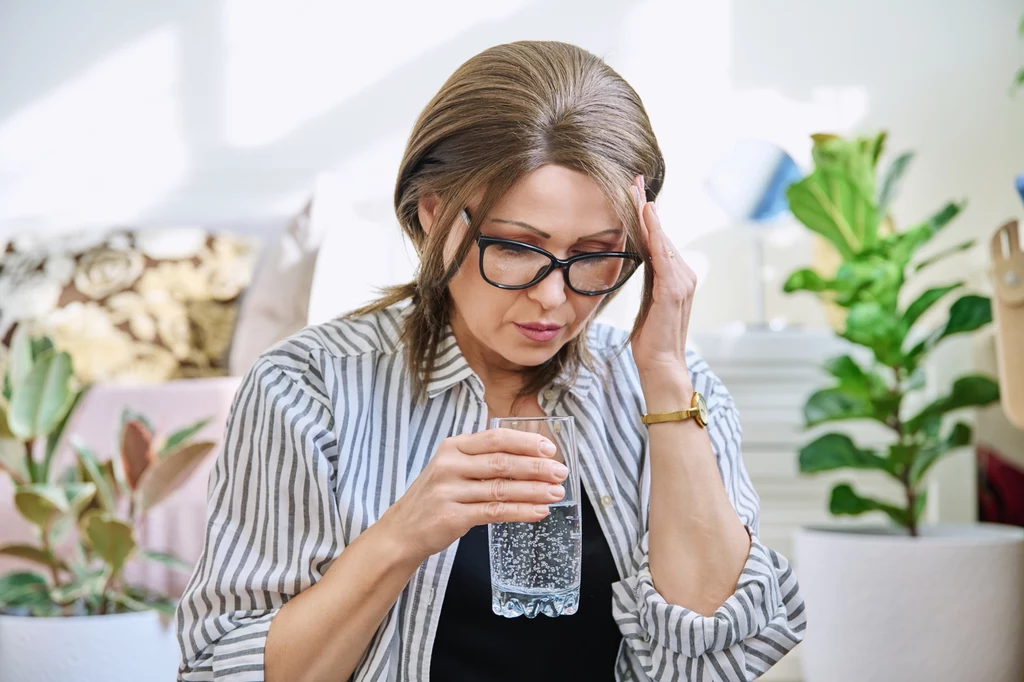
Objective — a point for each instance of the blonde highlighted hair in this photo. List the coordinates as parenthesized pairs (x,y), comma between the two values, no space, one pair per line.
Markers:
(503,114)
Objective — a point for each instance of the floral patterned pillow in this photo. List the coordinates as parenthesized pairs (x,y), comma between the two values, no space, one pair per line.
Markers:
(133,306)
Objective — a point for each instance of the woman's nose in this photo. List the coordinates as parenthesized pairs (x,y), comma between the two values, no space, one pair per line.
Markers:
(550,291)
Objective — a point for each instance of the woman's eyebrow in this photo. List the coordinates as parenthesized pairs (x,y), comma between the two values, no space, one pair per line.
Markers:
(518,223)
(616,231)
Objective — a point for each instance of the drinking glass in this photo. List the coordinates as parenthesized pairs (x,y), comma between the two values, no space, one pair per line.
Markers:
(535,567)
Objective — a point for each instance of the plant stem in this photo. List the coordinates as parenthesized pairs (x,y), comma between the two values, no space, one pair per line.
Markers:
(103,594)
(30,463)
(51,558)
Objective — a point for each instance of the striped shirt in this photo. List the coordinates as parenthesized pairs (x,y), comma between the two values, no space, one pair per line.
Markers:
(324,435)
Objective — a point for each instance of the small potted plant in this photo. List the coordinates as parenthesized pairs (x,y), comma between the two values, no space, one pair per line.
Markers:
(903,600)
(74,616)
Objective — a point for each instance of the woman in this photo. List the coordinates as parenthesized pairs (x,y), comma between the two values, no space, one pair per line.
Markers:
(347,533)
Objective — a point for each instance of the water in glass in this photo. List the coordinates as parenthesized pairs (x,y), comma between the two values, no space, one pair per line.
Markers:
(535,567)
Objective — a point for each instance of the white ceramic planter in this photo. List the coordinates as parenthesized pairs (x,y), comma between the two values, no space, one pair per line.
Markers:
(944,607)
(130,647)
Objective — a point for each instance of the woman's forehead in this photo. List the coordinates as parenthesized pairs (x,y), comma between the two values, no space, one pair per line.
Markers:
(555,201)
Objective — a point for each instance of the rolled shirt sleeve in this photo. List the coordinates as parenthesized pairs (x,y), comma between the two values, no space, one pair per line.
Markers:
(273,522)
(759,624)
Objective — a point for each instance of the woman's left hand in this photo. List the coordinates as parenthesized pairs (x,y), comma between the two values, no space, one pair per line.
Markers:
(660,347)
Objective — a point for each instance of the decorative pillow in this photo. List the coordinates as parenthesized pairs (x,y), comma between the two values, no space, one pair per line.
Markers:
(131,306)
(277,302)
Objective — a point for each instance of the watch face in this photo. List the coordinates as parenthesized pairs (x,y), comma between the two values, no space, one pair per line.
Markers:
(702,409)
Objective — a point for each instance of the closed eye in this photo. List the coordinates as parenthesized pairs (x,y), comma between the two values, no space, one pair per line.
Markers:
(511,247)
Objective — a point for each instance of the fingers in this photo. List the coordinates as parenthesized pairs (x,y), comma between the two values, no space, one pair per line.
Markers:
(509,465)
(505,490)
(504,512)
(505,440)
(674,274)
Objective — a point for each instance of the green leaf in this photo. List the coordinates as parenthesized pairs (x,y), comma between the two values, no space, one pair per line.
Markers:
(891,181)
(168,560)
(14,460)
(869,324)
(41,345)
(876,146)
(111,538)
(856,380)
(868,278)
(1019,79)
(831,203)
(836,451)
(968,391)
(920,502)
(846,502)
(41,503)
(166,475)
(164,606)
(36,555)
(79,496)
(852,158)
(90,584)
(805,280)
(20,357)
(834,404)
(53,439)
(42,401)
(92,468)
(179,437)
(900,247)
(925,301)
(958,437)
(5,429)
(967,314)
(22,588)
(945,253)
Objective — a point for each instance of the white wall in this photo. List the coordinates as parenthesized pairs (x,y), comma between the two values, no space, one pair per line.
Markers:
(224,110)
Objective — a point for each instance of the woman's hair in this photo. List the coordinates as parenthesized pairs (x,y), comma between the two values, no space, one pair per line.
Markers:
(506,112)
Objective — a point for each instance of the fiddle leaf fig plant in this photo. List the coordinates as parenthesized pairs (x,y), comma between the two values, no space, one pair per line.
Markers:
(100,501)
(843,201)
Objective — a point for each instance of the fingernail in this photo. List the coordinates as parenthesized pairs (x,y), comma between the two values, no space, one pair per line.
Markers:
(541,509)
(547,448)
(654,207)
(636,194)
(560,470)
(643,184)
(558,491)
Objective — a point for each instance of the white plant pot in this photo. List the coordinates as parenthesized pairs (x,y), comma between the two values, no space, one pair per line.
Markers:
(129,647)
(947,606)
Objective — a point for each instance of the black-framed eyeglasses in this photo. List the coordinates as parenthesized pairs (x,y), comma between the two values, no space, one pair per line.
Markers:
(508,264)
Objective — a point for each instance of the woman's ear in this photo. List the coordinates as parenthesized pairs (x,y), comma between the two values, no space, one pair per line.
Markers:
(426,210)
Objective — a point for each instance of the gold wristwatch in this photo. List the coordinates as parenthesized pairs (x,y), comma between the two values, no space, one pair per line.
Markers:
(698,410)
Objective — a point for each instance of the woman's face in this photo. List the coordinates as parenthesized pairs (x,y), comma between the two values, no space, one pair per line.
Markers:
(566,214)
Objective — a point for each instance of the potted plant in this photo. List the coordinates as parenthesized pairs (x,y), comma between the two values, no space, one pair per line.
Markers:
(74,616)
(903,600)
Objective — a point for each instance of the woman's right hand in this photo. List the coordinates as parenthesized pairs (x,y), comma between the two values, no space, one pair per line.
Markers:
(495,475)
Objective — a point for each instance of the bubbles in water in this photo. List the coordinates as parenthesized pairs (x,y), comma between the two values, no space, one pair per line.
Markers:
(535,567)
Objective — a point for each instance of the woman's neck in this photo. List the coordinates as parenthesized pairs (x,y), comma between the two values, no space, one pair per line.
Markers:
(502,381)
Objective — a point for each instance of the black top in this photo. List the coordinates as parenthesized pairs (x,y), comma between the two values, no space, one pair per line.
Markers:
(472,643)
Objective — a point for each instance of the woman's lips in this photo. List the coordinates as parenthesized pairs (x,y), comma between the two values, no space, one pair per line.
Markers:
(539,333)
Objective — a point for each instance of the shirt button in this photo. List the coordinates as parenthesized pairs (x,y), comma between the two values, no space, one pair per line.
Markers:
(549,394)
(430,595)
(606,501)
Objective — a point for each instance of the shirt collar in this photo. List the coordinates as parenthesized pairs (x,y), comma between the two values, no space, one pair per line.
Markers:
(451,369)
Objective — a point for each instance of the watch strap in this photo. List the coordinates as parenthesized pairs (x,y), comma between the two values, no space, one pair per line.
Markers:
(678,415)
